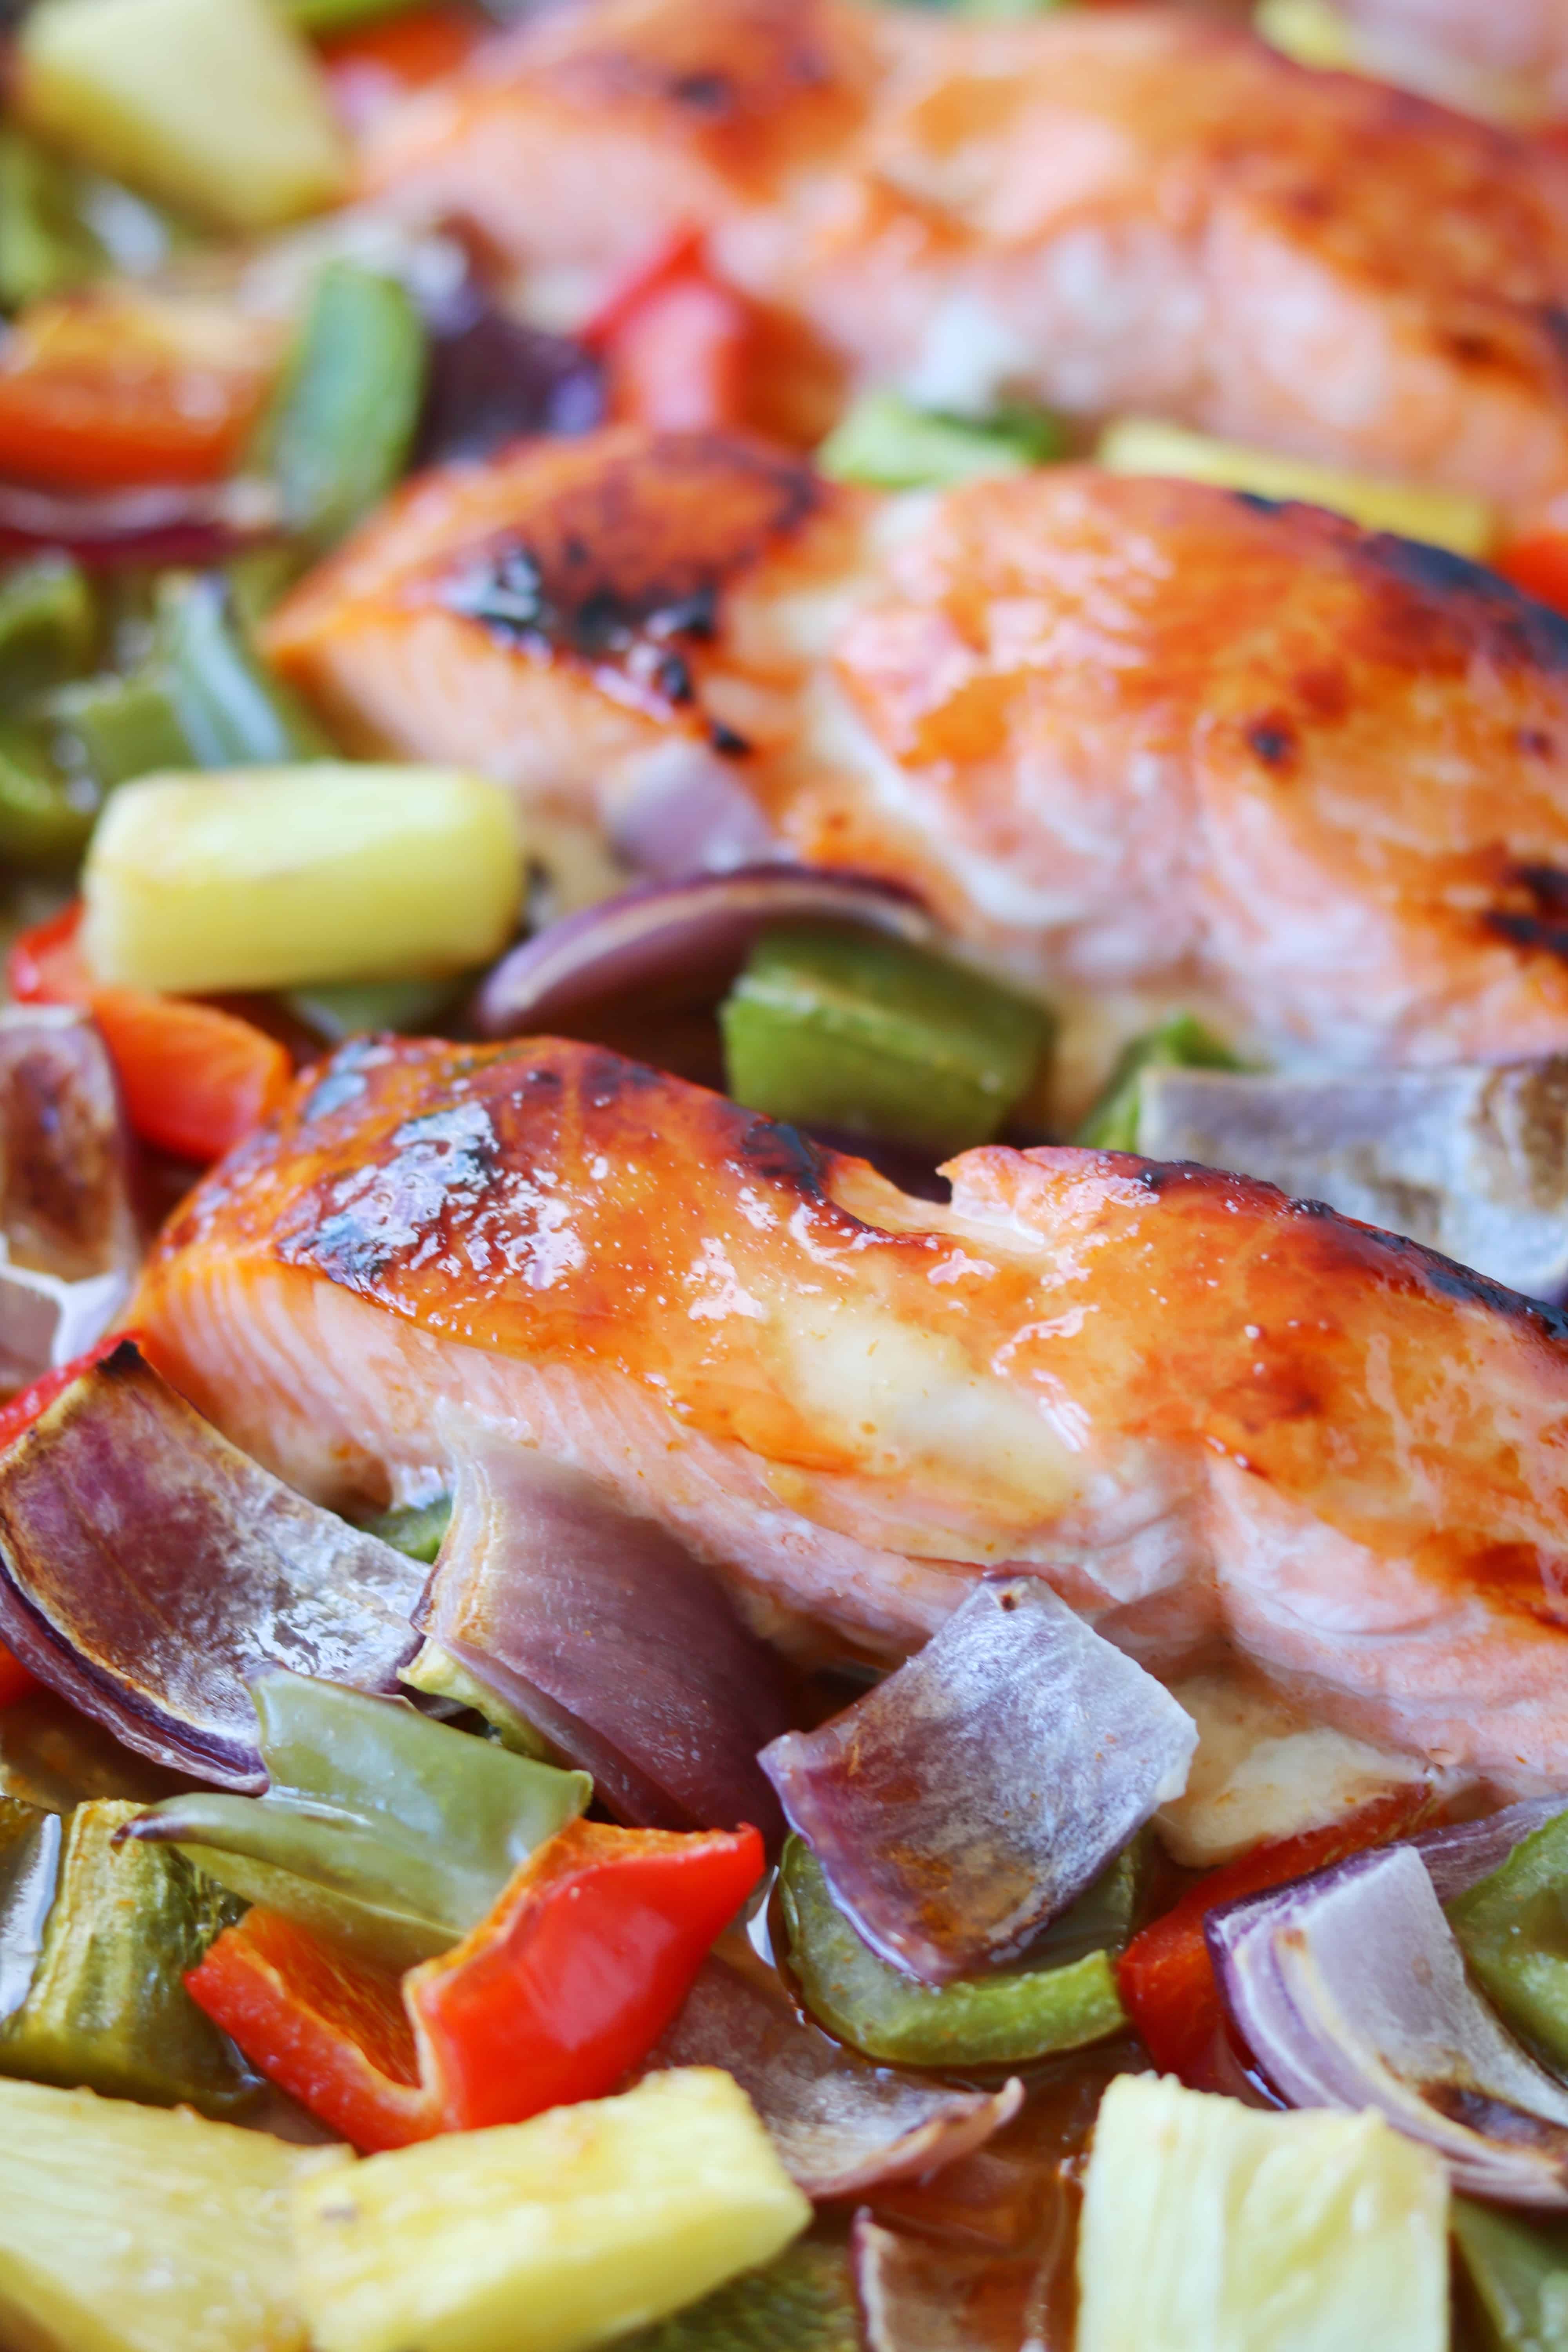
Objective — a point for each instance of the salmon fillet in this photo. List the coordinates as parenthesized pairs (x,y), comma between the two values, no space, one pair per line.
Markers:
(1221,1422)
(1138,209)
(1139,742)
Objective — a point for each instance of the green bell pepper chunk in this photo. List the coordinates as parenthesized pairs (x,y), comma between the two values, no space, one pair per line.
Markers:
(803,2301)
(48,626)
(337,15)
(832,1025)
(380,1827)
(45,817)
(1514,1930)
(1044,2004)
(1182,1044)
(884,441)
(342,427)
(44,243)
(1517,2274)
(104,731)
(233,711)
(106,2007)
(415,1529)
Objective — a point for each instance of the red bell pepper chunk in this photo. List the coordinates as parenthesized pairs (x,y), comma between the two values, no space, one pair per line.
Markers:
(675,343)
(196,1078)
(1539,564)
(552,1998)
(1166,1976)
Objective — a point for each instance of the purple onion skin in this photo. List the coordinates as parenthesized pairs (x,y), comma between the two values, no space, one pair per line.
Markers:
(494,380)
(147,1567)
(966,1800)
(151,528)
(840,2125)
(621,1649)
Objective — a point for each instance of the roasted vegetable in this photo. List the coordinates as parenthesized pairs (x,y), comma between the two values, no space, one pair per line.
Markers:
(269,878)
(1514,1930)
(1450,519)
(1045,2003)
(347,409)
(214,104)
(45,244)
(803,2301)
(1515,2267)
(566,1985)
(103,2007)
(886,442)
(551,2235)
(379,1828)
(1182,1043)
(1205,2222)
(833,1027)
(126,2229)
(48,626)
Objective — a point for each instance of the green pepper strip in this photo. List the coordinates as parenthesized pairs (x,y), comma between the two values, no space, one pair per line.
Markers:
(885,441)
(45,244)
(233,713)
(1182,1044)
(1514,1930)
(1517,2274)
(834,1026)
(340,429)
(803,2301)
(48,626)
(105,2006)
(1048,2003)
(381,1830)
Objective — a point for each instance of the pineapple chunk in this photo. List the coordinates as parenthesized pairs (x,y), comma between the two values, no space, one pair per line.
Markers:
(273,878)
(1205,2222)
(127,2229)
(217,105)
(548,2236)
(1310,32)
(1450,519)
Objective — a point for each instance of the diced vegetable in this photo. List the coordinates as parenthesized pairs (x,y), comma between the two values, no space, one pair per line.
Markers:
(379,1827)
(803,2301)
(195,1080)
(415,1528)
(435,1672)
(1513,1931)
(1450,519)
(45,244)
(677,360)
(1182,1043)
(886,442)
(347,409)
(1539,564)
(45,817)
(554,2234)
(1312,32)
(1001,2019)
(493,377)
(233,711)
(117,385)
(105,2008)
(1205,2222)
(126,2229)
(48,626)
(566,1985)
(1166,1976)
(271,877)
(829,1026)
(214,104)
(43,963)
(107,730)
(1516,2269)
(337,15)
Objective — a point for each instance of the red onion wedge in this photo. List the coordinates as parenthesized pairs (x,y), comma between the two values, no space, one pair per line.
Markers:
(69,1237)
(1349,1991)
(1460,1856)
(612,1641)
(691,813)
(915,2296)
(696,934)
(840,2125)
(963,1802)
(197,523)
(147,1567)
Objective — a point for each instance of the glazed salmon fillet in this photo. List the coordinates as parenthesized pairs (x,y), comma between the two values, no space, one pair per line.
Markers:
(1132,209)
(1220,1422)
(1139,742)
